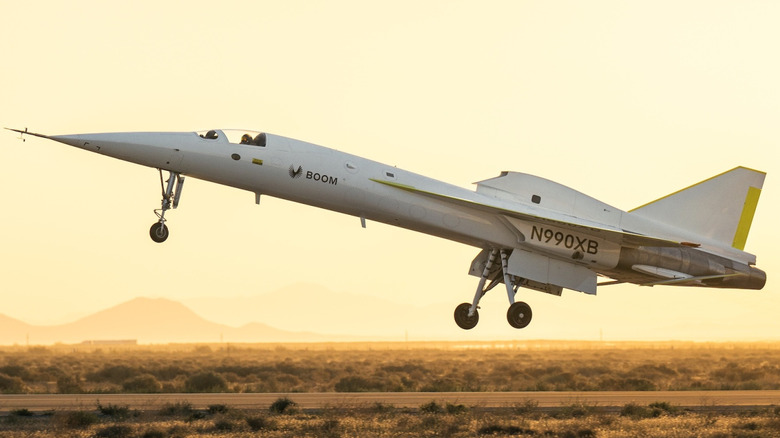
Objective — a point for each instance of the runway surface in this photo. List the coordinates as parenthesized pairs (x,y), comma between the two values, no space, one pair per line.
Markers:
(45,402)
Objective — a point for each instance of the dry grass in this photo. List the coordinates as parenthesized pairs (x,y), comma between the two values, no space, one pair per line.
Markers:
(383,421)
(390,367)
(525,366)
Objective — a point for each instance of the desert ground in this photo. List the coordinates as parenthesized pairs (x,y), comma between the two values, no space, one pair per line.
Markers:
(390,367)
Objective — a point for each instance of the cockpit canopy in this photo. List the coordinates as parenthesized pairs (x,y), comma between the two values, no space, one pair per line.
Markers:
(238,136)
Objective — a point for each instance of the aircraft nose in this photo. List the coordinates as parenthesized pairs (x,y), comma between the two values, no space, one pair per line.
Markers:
(80,141)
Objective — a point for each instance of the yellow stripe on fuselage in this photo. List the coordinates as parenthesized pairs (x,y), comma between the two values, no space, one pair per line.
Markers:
(746,219)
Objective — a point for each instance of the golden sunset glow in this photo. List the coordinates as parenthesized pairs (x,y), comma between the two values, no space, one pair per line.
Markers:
(624,101)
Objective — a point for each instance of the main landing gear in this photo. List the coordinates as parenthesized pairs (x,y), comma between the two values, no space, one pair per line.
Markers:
(159,231)
(519,313)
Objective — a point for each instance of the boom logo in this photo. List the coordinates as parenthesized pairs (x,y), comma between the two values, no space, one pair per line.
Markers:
(314,176)
(296,173)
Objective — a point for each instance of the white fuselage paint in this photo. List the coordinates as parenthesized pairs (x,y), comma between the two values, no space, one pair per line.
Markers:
(318,176)
(328,179)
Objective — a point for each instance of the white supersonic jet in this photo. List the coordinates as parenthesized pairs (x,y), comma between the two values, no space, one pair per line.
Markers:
(531,232)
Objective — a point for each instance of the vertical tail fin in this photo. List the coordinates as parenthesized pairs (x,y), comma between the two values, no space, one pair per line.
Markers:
(720,208)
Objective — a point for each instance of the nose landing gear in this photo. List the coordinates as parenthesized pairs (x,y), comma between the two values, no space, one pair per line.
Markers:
(159,231)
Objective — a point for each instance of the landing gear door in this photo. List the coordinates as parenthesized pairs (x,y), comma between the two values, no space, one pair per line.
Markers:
(543,269)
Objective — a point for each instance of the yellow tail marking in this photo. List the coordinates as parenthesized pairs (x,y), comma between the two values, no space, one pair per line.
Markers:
(746,219)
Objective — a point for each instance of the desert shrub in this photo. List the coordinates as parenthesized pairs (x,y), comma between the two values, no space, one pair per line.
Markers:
(145,383)
(196,415)
(16,371)
(536,372)
(635,411)
(405,368)
(638,385)
(326,428)
(258,423)
(168,373)
(750,425)
(23,412)
(178,431)
(564,379)
(287,383)
(115,431)
(357,384)
(239,370)
(578,433)
(69,385)
(628,384)
(218,409)
(282,405)
(206,382)
(175,409)
(49,373)
(114,411)
(648,370)
(576,410)
(287,366)
(11,385)
(231,377)
(12,421)
(593,371)
(379,408)
(114,374)
(663,407)
(78,419)
(154,433)
(224,425)
(526,407)
(734,372)
(455,408)
(749,386)
(445,384)
(498,429)
(431,408)
(171,387)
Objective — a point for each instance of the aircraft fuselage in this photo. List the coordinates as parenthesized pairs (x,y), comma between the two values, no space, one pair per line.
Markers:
(533,232)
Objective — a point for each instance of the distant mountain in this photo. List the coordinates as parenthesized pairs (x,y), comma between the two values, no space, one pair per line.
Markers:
(13,331)
(149,320)
(628,313)
(312,313)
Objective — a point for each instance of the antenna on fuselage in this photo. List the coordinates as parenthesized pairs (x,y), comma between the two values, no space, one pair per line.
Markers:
(21,133)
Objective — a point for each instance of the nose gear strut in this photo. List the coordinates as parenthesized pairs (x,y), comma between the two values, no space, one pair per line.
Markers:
(159,231)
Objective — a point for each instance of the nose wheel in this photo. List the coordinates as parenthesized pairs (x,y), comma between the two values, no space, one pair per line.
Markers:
(159,231)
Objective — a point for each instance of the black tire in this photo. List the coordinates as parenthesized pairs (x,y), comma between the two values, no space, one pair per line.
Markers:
(463,319)
(158,232)
(519,315)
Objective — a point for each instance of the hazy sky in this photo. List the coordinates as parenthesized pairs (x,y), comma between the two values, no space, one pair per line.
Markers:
(625,101)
